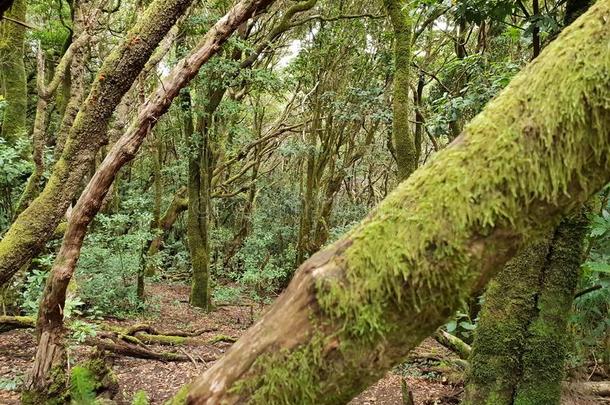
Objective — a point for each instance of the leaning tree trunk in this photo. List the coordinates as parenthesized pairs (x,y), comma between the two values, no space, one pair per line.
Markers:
(356,309)
(49,362)
(12,72)
(36,224)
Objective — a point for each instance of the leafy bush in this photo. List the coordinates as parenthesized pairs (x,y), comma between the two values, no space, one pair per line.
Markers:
(82,386)
(111,258)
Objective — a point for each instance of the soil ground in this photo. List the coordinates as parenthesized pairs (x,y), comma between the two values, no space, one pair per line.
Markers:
(160,380)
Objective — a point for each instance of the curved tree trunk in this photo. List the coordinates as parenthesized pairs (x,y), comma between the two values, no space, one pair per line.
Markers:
(356,309)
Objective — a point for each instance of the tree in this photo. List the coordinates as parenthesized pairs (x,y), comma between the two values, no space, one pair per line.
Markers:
(356,309)
(521,342)
(402,134)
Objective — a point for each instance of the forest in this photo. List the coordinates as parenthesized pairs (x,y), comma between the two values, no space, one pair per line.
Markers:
(401,202)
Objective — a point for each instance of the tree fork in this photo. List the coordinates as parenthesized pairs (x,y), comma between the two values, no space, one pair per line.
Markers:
(353,311)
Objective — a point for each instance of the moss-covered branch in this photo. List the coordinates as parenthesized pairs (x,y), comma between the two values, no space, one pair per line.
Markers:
(353,311)
(8,323)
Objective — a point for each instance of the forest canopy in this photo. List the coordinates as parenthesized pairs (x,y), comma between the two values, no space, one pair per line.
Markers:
(304,202)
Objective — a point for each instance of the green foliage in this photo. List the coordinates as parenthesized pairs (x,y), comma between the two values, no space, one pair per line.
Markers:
(82,386)
(14,172)
(10,384)
(81,330)
(462,326)
(111,257)
(140,398)
(590,319)
(227,294)
(266,259)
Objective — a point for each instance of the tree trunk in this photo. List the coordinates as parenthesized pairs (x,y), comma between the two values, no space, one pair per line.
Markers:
(36,224)
(356,309)
(13,75)
(402,134)
(39,137)
(521,343)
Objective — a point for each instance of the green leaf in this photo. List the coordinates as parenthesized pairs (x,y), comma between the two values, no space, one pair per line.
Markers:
(598,267)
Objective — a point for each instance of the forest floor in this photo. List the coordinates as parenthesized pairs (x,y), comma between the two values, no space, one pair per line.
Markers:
(431,382)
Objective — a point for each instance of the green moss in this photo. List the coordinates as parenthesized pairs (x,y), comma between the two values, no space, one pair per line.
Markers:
(55,394)
(415,253)
(180,397)
(163,339)
(402,136)
(13,73)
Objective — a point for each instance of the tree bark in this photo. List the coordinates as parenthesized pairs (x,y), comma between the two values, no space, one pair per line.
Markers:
(36,224)
(353,311)
(39,138)
(521,343)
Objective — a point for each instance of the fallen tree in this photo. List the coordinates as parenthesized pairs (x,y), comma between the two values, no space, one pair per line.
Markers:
(354,310)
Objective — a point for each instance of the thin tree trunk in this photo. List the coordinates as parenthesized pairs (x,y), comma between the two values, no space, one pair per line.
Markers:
(356,309)
(39,137)
(402,133)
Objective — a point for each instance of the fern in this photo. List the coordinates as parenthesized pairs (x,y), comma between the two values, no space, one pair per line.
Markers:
(82,386)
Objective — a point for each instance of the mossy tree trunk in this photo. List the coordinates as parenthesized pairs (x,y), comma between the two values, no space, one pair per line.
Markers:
(39,137)
(402,134)
(12,72)
(201,169)
(521,343)
(36,224)
(356,309)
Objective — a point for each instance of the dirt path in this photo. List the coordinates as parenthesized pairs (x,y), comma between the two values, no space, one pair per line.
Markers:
(161,380)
